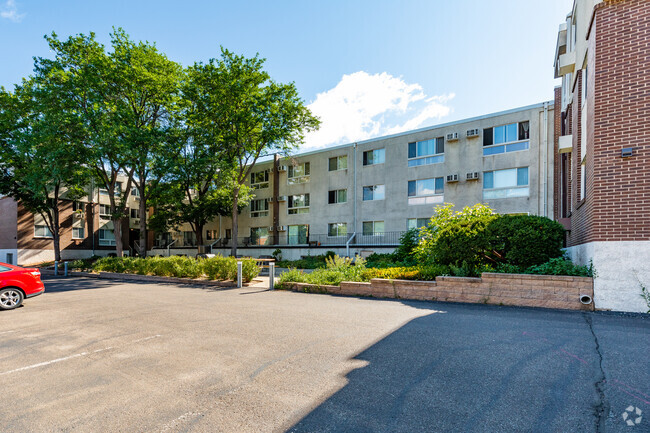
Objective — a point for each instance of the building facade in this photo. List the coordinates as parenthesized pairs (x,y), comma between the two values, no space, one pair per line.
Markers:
(361,197)
(602,149)
(86,229)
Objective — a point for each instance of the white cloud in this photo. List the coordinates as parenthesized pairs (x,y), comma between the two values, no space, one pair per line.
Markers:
(363,106)
(10,11)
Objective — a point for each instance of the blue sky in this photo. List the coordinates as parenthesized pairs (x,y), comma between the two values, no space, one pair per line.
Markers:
(366,67)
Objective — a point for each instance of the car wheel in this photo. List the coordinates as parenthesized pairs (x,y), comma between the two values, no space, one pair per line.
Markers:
(10,298)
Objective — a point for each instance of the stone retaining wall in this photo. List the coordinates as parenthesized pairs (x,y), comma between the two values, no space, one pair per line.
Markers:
(546,291)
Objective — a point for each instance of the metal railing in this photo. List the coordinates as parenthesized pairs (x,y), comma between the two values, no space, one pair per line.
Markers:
(317,240)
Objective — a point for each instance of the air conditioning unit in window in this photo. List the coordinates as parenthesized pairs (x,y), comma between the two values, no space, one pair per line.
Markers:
(270,199)
(282,198)
(282,228)
(473,132)
(472,175)
(78,215)
(136,221)
(452,136)
(452,178)
(282,168)
(270,228)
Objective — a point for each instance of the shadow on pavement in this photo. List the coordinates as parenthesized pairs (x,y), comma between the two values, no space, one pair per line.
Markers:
(474,368)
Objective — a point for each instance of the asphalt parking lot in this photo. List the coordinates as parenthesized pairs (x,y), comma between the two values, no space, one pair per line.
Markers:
(96,355)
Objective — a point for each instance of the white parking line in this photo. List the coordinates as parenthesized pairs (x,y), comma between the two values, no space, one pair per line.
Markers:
(6,332)
(76,355)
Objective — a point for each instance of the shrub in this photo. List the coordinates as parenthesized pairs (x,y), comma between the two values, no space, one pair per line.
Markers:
(407,244)
(524,240)
(456,238)
(397,273)
(561,266)
(385,260)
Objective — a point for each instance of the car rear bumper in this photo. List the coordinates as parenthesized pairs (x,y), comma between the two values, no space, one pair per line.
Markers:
(40,292)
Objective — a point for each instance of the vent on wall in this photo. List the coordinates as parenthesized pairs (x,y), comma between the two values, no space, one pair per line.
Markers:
(452,136)
(282,228)
(472,175)
(282,168)
(282,198)
(472,132)
(452,178)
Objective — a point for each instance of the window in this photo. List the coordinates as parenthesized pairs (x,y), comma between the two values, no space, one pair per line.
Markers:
(228,233)
(372,157)
(338,163)
(211,235)
(338,196)
(189,238)
(77,232)
(135,213)
(4,268)
(374,192)
(118,189)
(583,180)
(512,182)
(104,210)
(42,231)
(426,191)
(337,229)
(416,223)
(260,179)
(298,234)
(259,235)
(298,204)
(373,228)
(135,193)
(77,206)
(506,138)
(298,174)
(106,237)
(260,208)
(426,152)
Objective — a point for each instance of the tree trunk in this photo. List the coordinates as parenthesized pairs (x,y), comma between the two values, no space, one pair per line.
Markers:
(117,231)
(143,223)
(235,200)
(199,233)
(56,233)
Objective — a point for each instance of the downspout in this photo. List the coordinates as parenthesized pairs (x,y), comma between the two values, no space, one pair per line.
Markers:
(92,211)
(347,244)
(546,159)
(354,218)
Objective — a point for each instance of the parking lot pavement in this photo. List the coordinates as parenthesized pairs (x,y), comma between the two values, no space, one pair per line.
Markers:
(96,355)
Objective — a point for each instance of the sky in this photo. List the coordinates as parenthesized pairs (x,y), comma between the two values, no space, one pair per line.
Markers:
(367,68)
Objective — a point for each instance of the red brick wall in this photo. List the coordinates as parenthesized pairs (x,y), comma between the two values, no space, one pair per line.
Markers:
(617,204)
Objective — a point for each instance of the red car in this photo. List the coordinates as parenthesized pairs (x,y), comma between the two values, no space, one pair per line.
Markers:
(18,283)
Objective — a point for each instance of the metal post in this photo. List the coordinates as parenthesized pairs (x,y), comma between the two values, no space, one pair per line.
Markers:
(239,274)
(56,267)
(271,274)
(65,269)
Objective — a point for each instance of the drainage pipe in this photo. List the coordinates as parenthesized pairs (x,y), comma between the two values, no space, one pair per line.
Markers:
(586,299)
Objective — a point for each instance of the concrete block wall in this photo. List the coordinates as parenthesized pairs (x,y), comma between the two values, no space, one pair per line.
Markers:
(545,291)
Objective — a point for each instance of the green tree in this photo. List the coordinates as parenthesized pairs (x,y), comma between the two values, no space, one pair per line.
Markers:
(248,114)
(41,160)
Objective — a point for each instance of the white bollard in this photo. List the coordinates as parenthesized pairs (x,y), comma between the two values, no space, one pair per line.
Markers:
(239,274)
(56,267)
(271,274)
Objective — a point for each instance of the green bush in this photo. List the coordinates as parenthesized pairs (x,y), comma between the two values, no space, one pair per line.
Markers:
(216,268)
(524,240)
(407,244)
(561,266)
(456,238)
(396,273)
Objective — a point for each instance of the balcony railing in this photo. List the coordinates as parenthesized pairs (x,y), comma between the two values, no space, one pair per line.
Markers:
(318,240)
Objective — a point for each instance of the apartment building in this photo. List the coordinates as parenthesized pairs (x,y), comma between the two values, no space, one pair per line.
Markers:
(602,148)
(86,229)
(361,197)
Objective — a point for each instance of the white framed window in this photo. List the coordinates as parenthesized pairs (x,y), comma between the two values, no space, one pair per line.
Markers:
(118,189)
(373,228)
(338,163)
(337,196)
(189,238)
(512,137)
(298,234)
(416,223)
(259,208)
(337,229)
(78,206)
(106,237)
(104,211)
(211,235)
(135,193)
(508,183)
(374,192)
(426,152)
(298,204)
(260,179)
(426,191)
(298,174)
(135,213)
(374,157)
(583,180)
(42,231)
(77,233)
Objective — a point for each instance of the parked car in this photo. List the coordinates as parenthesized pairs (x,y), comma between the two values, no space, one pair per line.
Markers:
(18,283)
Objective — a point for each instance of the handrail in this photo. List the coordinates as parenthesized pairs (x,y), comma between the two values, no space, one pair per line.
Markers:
(347,244)
(169,247)
(213,243)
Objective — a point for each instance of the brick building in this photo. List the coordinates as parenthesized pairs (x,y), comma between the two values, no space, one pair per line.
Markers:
(602,130)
